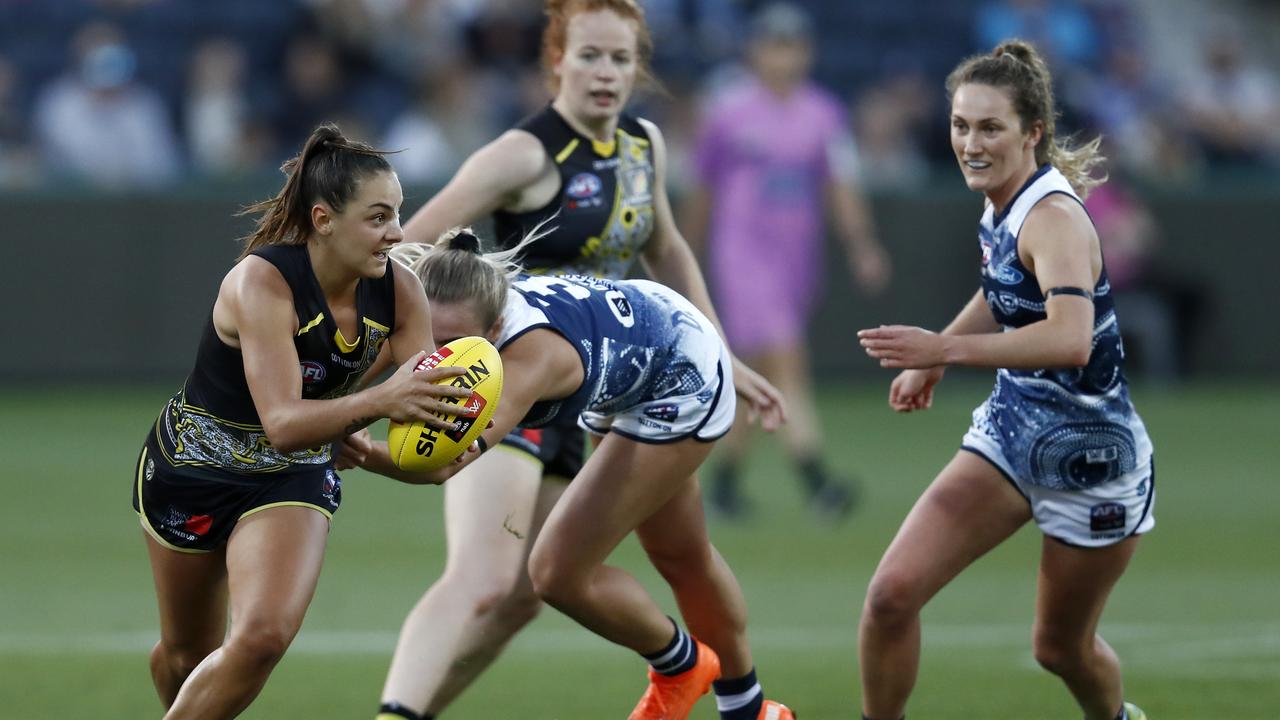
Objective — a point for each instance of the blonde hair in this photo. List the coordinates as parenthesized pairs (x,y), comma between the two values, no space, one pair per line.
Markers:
(455,269)
(1016,66)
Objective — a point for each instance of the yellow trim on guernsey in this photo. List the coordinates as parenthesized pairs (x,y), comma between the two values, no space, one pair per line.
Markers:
(343,345)
(567,151)
(605,149)
(290,503)
(377,325)
(638,142)
(311,324)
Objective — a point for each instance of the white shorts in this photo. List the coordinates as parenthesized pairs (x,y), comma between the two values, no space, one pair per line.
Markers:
(1095,516)
(705,415)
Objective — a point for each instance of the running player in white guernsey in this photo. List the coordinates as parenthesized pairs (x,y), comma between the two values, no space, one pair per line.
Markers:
(602,174)
(648,374)
(1058,441)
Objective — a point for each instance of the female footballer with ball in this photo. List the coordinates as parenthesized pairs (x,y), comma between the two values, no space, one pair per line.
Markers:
(601,174)
(648,374)
(1058,441)
(235,485)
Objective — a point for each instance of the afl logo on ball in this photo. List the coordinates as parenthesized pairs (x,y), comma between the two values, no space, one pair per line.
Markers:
(312,371)
(583,185)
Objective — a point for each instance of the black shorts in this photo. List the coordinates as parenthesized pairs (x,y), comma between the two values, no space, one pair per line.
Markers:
(196,510)
(560,447)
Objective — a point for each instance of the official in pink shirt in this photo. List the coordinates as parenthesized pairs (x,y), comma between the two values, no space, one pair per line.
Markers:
(774,153)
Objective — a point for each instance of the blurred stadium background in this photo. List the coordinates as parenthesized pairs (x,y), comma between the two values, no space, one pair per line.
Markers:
(131,130)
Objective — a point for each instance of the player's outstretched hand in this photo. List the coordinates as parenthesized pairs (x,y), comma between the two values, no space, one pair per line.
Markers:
(413,395)
(764,402)
(902,346)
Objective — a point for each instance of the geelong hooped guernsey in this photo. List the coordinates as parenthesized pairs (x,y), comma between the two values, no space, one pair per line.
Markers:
(1062,428)
(639,341)
(603,213)
(213,423)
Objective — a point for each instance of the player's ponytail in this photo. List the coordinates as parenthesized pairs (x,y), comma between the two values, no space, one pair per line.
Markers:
(461,239)
(456,270)
(328,169)
(1017,66)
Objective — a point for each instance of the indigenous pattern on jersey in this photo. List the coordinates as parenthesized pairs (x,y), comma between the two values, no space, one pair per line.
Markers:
(603,212)
(1064,429)
(213,424)
(655,368)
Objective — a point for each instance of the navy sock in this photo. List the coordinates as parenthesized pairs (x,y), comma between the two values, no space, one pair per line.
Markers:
(1123,714)
(390,710)
(739,698)
(679,655)
(813,473)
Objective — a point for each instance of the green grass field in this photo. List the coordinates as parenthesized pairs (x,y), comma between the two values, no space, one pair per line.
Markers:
(1196,619)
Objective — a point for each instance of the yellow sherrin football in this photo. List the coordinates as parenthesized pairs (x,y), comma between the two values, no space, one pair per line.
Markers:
(419,448)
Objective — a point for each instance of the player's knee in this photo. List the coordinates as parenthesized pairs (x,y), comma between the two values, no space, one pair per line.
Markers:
(521,606)
(678,567)
(509,600)
(179,660)
(553,581)
(1059,655)
(261,644)
(891,600)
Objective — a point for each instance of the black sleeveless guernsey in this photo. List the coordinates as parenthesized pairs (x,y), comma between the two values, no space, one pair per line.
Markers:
(212,425)
(602,215)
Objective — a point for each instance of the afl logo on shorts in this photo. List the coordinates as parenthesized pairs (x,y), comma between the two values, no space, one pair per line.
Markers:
(583,185)
(312,371)
(666,412)
(1107,516)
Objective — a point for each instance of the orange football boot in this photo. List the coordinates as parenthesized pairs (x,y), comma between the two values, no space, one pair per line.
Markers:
(671,697)
(775,711)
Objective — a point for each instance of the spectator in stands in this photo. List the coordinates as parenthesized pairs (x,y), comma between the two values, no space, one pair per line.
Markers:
(891,119)
(97,122)
(417,34)
(1132,112)
(773,154)
(18,162)
(1063,29)
(217,111)
(314,90)
(696,34)
(445,123)
(1232,105)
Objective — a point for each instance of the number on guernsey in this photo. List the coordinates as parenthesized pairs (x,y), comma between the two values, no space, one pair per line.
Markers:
(549,285)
